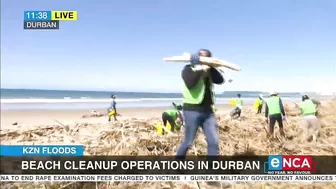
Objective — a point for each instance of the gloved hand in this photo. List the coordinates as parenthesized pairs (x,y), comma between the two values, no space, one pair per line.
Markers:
(194,60)
(201,68)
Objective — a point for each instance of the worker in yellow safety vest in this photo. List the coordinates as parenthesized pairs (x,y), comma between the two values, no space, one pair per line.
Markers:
(310,122)
(112,110)
(261,103)
(275,112)
(239,106)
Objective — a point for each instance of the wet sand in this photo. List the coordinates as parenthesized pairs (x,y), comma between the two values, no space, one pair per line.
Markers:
(25,118)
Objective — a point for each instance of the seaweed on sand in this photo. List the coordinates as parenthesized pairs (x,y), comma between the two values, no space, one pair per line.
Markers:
(138,137)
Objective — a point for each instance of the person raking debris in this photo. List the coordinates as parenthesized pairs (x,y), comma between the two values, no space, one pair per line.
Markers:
(236,112)
(310,122)
(260,103)
(275,112)
(172,120)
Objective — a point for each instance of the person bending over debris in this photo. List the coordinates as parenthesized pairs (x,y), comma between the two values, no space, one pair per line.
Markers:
(173,117)
(275,112)
(112,110)
(316,102)
(198,103)
(261,103)
(310,123)
(239,105)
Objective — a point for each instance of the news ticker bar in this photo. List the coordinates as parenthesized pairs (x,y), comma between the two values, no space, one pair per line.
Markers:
(161,165)
(167,178)
(41,150)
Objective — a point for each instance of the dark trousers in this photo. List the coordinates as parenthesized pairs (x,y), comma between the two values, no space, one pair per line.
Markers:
(272,120)
(167,118)
(259,109)
(236,111)
(193,121)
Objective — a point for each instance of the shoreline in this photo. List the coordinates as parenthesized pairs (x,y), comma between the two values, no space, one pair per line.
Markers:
(98,105)
(21,119)
(79,106)
(27,118)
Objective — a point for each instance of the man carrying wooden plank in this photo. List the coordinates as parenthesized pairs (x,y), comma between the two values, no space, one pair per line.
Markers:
(198,103)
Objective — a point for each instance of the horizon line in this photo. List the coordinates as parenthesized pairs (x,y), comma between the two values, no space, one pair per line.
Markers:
(138,91)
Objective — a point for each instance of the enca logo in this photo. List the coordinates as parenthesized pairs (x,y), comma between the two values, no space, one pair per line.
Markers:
(290,163)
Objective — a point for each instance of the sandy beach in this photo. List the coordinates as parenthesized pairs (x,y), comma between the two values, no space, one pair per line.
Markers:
(134,136)
(26,118)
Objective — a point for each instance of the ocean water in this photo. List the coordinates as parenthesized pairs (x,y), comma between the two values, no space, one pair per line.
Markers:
(25,99)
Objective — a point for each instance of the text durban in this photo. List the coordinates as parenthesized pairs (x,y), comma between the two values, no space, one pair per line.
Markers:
(140,165)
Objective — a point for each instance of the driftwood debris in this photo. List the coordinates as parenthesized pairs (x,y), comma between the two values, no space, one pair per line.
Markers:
(137,137)
(94,113)
(204,60)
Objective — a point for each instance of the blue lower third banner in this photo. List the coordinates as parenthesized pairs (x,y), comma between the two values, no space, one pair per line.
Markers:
(41,150)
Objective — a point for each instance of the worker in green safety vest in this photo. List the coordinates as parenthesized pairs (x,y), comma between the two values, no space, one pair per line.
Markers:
(198,103)
(310,122)
(275,112)
(239,106)
(315,102)
(173,117)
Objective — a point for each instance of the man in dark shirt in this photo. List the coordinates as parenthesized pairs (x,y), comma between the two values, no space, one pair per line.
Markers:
(198,103)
